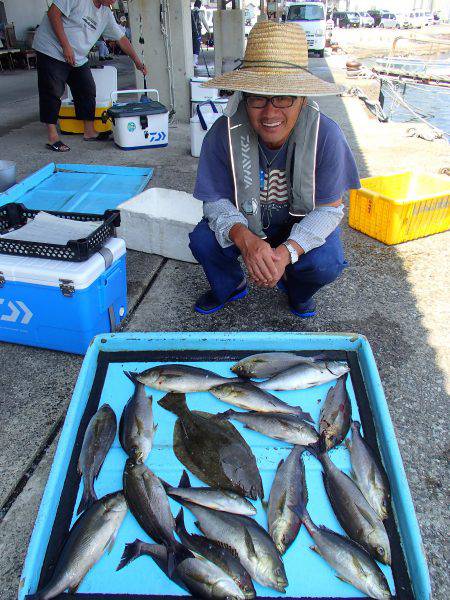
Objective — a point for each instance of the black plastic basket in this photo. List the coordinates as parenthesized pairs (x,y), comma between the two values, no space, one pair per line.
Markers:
(13,216)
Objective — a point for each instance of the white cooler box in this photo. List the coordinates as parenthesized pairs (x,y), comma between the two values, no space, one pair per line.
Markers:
(199,93)
(137,125)
(62,305)
(220,104)
(206,115)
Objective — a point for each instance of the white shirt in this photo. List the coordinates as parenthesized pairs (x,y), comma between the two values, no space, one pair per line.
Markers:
(83,23)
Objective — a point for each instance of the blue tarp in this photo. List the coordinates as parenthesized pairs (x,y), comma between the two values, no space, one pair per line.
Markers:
(78,188)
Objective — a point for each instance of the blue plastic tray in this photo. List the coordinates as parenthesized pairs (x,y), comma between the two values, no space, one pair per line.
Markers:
(101,380)
(78,188)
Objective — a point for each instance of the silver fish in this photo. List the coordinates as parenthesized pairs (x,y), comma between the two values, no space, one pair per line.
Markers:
(354,513)
(303,376)
(136,429)
(180,378)
(220,555)
(97,441)
(350,561)
(287,428)
(289,488)
(368,474)
(94,532)
(254,546)
(149,504)
(214,498)
(192,572)
(245,395)
(267,364)
(335,415)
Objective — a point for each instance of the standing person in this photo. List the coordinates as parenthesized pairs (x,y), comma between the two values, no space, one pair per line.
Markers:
(62,42)
(197,20)
(271,176)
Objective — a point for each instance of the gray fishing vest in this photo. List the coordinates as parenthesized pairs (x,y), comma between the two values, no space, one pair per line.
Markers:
(300,164)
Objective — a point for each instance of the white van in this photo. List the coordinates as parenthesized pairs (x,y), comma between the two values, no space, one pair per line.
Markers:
(312,18)
(417,18)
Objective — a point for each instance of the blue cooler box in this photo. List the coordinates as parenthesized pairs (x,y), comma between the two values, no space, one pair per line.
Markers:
(62,305)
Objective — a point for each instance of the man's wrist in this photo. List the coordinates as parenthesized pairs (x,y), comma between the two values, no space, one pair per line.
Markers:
(238,234)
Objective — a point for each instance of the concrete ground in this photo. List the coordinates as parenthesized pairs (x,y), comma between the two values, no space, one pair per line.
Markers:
(396,296)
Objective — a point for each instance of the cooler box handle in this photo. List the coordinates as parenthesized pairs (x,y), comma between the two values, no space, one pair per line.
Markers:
(117,92)
(201,118)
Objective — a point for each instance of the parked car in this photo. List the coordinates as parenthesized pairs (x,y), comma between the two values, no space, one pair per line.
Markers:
(389,21)
(365,20)
(429,19)
(416,19)
(346,19)
(376,16)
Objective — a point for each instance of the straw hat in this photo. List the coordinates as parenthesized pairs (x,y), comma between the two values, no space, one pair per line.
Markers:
(275,63)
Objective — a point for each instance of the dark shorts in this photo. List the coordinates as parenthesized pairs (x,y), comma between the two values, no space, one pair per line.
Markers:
(52,78)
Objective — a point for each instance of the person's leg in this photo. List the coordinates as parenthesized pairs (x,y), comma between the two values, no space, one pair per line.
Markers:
(221,265)
(313,270)
(52,77)
(82,85)
(196,48)
(103,51)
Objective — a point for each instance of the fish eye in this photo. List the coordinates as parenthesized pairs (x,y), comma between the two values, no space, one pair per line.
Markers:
(381,551)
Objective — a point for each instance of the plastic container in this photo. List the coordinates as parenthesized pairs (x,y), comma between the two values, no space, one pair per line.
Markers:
(139,125)
(401,207)
(199,93)
(206,115)
(13,216)
(7,174)
(61,305)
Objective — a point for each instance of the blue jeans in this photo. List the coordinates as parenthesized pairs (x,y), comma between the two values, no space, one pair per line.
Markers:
(312,271)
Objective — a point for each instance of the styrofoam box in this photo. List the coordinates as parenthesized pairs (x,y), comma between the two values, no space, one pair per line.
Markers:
(34,310)
(199,93)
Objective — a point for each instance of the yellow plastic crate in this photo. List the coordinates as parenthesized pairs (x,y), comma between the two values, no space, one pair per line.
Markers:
(68,123)
(402,207)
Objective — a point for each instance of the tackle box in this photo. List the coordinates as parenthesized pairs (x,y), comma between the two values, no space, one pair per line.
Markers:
(401,207)
(102,380)
(62,305)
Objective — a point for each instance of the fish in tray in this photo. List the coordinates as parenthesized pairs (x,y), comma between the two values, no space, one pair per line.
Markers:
(223,557)
(191,571)
(335,415)
(93,533)
(288,489)
(287,428)
(246,395)
(213,450)
(136,428)
(97,441)
(368,474)
(267,364)
(303,376)
(180,378)
(352,564)
(214,498)
(353,512)
(149,504)
(253,545)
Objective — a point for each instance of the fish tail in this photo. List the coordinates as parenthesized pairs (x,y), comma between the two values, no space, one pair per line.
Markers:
(304,415)
(174,403)
(180,527)
(87,500)
(132,376)
(225,415)
(302,513)
(131,552)
(185,482)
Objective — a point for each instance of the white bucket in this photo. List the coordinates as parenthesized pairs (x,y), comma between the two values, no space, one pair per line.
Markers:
(7,174)
(206,115)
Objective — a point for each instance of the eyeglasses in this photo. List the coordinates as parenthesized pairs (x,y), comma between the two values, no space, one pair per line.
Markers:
(276,101)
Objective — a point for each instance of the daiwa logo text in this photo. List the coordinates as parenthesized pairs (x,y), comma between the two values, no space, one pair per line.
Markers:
(246,162)
(16,312)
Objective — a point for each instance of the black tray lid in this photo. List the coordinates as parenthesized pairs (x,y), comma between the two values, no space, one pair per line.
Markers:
(133,109)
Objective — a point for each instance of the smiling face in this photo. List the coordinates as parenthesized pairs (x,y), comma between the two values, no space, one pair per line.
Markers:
(274,125)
